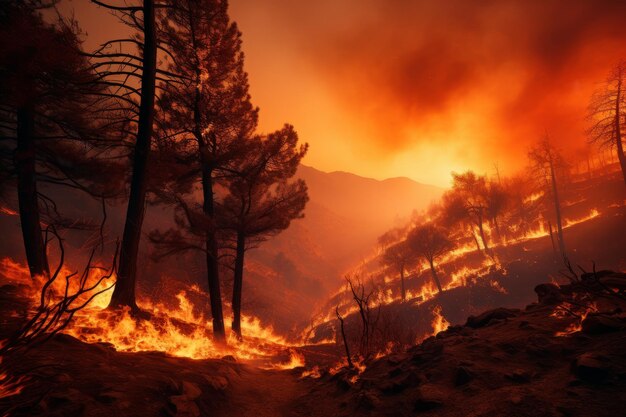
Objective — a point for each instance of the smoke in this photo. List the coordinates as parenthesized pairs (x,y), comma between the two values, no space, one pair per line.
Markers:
(480,80)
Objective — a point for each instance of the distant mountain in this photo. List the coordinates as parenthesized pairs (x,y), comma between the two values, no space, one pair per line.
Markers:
(344,217)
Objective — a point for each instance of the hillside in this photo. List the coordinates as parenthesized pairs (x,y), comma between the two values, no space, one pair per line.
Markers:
(347,213)
(530,362)
(287,275)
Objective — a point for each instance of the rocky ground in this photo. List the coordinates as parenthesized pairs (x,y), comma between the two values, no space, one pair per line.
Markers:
(504,362)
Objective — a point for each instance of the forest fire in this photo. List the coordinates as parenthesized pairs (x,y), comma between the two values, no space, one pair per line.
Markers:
(175,330)
(201,216)
(439,321)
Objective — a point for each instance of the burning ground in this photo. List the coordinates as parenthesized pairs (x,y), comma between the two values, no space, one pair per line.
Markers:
(562,356)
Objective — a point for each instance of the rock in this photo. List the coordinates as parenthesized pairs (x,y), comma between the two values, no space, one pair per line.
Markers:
(217,382)
(411,379)
(591,368)
(184,403)
(229,358)
(462,376)
(596,324)
(484,319)
(548,294)
(520,376)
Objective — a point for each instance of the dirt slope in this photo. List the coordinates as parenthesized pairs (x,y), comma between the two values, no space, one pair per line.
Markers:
(502,363)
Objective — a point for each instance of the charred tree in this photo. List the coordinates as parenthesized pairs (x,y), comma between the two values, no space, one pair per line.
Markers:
(28,200)
(208,116)
(55,121)
(399,256)
(430,242)
(546,160)
(607,114)
(261,200)
(124,291)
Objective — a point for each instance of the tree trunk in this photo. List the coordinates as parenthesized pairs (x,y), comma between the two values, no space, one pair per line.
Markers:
(124,292)
(238,283)
(475,239)
(618,130)
(557,208)
(27,194)
(212,264)
(435,277)
(482,232)
(552,236)
(402,287)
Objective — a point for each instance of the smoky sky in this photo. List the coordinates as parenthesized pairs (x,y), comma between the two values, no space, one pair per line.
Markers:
(422,88)
(490,75)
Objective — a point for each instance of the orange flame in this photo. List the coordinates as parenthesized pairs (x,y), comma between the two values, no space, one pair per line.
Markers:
(175,330)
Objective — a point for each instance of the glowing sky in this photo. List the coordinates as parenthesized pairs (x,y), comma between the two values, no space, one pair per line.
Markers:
(412,88)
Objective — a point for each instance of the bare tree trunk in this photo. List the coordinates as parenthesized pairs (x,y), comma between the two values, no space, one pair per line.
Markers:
(238,283)
(482,232)
(618,130)
(124,292)
(345,341)
(497,226)
(475,239)
(552,236)
(557,208)
(212,264)
(27,194)
(434,274)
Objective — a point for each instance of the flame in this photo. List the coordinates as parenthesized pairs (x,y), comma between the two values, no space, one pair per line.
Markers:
(296,360)
(567,310)
(439,322)
(7,211)
(592,214)
(10,385)
(178,330)
(311,373)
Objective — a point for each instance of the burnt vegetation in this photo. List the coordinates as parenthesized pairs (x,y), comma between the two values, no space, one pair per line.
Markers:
(162,121)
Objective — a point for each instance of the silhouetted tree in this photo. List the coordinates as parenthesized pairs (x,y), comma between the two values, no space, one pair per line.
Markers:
(123,70)
(523,208)
(399,256)
(546,160)
(496,199)
(54,120)
(430,242)
(261,200)
(472,190)
(208,119)
(607,114)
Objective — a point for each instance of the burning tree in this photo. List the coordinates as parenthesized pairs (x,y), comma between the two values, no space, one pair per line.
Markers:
(497,200)
(208,119)
(546,161)
(430,242)
(56,121)
(261,200)
(399,256)
(122,70)
(471,190)
(607,114)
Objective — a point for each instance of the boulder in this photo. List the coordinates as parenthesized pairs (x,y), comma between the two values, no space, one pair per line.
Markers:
(591,367)
(548,294)
(484,319)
